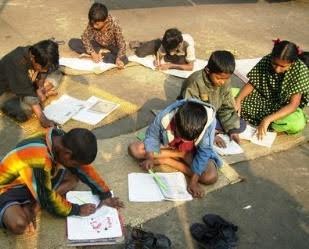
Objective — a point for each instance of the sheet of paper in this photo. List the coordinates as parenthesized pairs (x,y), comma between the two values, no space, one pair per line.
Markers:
(85,64)
(103,224)
(267,140)
(248,133)
(231,148)
(95,110)
(63,109)
(244,66)
(143,188)
(148,62)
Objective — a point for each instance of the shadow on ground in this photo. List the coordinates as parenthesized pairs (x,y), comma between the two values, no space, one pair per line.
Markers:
(278,213)
(170,90)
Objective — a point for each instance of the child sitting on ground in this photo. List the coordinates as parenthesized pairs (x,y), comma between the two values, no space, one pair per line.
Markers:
(182,137)
(102,38)
(277,91)
(211,85)
(174,51)
(41,170)
(23,72)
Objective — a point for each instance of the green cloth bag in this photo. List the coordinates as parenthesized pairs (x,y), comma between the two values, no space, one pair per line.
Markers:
(291,124)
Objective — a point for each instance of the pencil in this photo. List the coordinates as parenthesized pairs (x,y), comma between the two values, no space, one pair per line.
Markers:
(158,180)
(77,198)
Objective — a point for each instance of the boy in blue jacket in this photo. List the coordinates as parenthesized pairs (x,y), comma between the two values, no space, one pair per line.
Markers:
(182,137)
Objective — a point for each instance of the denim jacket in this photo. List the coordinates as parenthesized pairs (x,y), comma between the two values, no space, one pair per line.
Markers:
(157,135)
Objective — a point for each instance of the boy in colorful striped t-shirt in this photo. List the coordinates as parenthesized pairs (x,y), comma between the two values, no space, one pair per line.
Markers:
(41,169)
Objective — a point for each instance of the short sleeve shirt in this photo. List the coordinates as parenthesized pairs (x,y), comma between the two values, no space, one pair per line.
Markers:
(186,48)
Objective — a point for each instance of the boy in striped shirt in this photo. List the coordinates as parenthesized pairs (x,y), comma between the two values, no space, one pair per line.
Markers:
(41,170)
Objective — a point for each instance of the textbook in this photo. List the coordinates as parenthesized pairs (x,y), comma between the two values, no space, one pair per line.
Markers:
(90,111)
(144,188)
(101,228)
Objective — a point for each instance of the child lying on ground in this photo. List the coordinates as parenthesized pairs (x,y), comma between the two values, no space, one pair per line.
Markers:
(41,170)
(182,137)
(174,51)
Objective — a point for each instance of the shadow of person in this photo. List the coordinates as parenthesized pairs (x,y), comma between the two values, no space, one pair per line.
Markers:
(266,207)
(143,117)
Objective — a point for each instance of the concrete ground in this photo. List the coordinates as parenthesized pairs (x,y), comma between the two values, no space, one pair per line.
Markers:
(276,186)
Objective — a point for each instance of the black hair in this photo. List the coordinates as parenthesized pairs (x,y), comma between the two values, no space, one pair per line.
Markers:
(190,120)
(97,13)
(304,56)
(221,61)
(285,50)
(82,143)
(46,54)
(171,39)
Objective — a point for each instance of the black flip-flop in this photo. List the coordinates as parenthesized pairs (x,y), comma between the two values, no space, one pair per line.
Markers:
(198,232)
(150,240)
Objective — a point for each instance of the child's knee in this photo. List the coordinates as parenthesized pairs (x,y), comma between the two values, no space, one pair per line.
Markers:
(18,225)
(210,176)
(137,150)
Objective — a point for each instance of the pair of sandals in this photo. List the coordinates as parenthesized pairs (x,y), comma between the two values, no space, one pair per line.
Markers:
(215,233)
(146,240)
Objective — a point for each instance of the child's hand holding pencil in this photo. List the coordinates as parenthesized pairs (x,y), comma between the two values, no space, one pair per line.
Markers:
(87,209)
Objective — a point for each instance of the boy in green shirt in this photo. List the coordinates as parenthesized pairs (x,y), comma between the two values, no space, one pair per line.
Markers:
(211,85)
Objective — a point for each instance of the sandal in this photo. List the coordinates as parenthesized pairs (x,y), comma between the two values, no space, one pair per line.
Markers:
(147,240)
(198,232)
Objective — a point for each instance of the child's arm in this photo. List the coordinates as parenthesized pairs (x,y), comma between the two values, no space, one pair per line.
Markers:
(185,67)
(87,37)
(205,151)
(282,112)
(49,199)
(121,44)
(226,113)
(244,92)
(45,122)
(88,175)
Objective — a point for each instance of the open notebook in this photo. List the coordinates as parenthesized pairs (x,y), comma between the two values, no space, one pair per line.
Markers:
(143,187)
(102,227)
(90,111)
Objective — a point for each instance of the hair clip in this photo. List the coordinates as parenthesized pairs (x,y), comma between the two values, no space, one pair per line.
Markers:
(299,50)
(277,41)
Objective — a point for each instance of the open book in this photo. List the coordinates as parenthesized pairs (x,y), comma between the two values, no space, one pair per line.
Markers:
(143,187)
(102,227)
(231,148)
(250,134)
(91,111)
